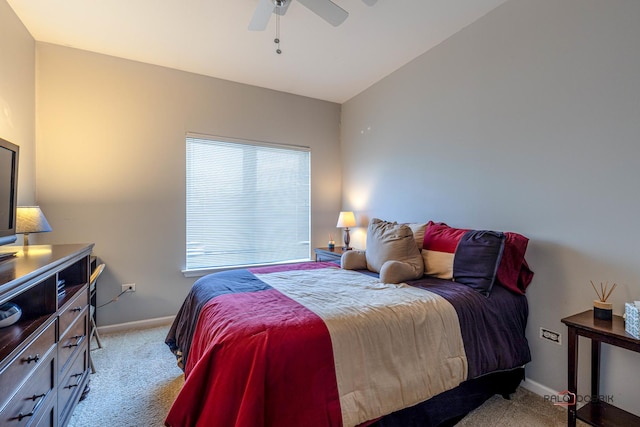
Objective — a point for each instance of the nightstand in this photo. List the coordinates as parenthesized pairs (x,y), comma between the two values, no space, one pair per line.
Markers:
(330,255)
(596,412)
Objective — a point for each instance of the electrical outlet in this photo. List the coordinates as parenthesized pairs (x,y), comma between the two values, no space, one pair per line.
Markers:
(550,335)
(128,287)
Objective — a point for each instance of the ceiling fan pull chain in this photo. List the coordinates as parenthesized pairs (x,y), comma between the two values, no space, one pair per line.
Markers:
(277,39)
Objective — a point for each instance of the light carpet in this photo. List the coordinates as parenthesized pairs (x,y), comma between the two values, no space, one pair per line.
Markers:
(137,380)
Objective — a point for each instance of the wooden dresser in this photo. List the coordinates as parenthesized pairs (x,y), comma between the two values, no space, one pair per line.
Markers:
(44,357)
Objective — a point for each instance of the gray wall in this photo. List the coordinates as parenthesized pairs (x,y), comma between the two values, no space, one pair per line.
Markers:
(528,120)
(111,163)
(17,97)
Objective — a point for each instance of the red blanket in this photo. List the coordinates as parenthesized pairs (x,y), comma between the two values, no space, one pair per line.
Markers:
(263,372)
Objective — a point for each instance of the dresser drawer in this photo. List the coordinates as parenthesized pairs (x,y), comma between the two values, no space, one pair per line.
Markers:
(71,384)
(35,396)
(49,416)
(73,310)
(26,362)
(72,340)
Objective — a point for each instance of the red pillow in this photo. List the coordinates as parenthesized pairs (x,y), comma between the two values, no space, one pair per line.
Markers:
(514,272)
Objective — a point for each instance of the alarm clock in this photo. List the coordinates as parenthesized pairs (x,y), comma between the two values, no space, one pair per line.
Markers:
(9,314)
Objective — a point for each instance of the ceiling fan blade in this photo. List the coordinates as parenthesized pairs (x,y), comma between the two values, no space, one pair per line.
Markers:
(262,15)
(327,10)
(369,2)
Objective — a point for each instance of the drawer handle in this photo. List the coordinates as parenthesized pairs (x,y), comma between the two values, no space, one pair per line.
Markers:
(79,378)
(76,309)
(33,358)
(78,339)
(40,399)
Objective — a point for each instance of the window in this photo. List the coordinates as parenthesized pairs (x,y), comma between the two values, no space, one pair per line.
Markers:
(247,203)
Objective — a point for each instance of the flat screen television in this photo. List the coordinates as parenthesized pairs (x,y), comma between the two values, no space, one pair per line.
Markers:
(8,191)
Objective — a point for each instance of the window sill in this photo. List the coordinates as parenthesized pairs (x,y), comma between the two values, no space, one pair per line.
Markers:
(204,271)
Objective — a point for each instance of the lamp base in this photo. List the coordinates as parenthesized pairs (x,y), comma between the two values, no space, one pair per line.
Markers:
(347,239)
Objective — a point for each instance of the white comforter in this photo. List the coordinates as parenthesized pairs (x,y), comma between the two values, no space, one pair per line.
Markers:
(394,345)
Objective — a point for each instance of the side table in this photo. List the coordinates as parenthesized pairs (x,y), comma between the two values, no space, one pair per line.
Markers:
(331,255)
(596,412)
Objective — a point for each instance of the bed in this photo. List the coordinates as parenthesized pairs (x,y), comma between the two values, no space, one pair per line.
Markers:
(315,344)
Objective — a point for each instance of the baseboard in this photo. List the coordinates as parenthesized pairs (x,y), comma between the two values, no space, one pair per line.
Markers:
(537,388)
(139,324)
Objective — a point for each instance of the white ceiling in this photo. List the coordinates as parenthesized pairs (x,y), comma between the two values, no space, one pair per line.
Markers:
(210,37)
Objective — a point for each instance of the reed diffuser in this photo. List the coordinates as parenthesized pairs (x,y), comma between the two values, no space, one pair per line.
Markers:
(602,309)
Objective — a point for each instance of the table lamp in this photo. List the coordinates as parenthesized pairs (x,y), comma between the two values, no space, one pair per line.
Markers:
(346,219)
(30,219)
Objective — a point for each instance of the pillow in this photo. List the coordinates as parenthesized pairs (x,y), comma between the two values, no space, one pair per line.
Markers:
(514,272)
(418,232)
(354,260)
(392,252)
(470,257)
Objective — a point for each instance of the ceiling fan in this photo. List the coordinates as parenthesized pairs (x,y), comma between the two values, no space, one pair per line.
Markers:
(325,9)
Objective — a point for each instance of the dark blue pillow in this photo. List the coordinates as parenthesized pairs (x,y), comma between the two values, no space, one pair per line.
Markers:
(477,258)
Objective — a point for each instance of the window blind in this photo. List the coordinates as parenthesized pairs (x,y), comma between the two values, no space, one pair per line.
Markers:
(247,203)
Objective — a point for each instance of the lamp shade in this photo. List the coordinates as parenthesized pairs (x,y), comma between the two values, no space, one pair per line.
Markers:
(30,219)
(346,219)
